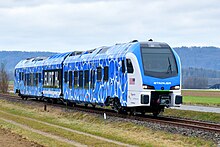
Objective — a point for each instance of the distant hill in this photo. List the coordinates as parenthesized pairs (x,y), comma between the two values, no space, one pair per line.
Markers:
(199,57)
(11,58)
(200,63)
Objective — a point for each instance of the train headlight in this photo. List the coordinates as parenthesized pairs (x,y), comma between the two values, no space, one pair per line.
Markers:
(147,87)
(175,87)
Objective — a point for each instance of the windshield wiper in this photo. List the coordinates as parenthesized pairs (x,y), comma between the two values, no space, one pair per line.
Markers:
(169,66)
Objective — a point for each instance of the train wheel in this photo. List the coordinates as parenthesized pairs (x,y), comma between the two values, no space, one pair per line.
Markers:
(122,111)
(155,114)
(93,105)
(54,101)
(132,112)
(116,104)
(143,112)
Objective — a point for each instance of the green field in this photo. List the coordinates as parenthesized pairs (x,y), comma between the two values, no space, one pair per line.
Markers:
(201,97)
(207,101)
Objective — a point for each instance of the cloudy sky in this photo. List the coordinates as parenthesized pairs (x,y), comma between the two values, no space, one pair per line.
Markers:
(68,25)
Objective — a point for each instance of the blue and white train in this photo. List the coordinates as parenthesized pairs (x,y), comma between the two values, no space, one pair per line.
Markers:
(134,77)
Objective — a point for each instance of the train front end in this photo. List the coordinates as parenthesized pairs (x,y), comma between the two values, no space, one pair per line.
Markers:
(156,81)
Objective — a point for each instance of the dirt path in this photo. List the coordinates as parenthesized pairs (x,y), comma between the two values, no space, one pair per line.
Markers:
(9,139)
(74,131)
(72,142)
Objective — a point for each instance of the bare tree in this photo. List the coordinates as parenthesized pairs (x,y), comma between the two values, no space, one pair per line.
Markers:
(4,79)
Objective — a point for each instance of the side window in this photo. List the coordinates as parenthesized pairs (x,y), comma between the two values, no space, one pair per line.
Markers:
(50,74)
(130,68)
(123,66)
(45,78)
(52,79)
(39,77)
(57,80)
(28,79)
(92,79)
(36,79)
(65,76)
(75,79)
(106,73)
(70,79)
(32,79)
(86,79)
(23,78)
(60,78)
(99,73)
(19,76)
(81,79)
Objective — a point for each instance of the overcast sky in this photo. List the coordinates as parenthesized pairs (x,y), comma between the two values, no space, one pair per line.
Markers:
(68,25)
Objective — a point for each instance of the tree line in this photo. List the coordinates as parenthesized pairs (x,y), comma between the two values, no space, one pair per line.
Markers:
(4,79)
(199,78)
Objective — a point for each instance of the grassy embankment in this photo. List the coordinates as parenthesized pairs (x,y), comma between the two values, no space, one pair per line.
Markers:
(195,115)
(124,132)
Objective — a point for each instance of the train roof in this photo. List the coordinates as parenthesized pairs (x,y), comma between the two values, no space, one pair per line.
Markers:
(56,59)
(31,62)
(115,51)
(42,61)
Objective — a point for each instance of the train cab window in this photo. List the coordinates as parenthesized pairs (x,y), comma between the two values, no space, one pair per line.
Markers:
(86,79)
(106,73)
(99,73)
(81,79)
(130,68)
(65,76)
(75,79)
(70,79)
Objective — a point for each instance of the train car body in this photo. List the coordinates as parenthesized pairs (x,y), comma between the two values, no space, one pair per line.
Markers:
(135,76)
(28,77)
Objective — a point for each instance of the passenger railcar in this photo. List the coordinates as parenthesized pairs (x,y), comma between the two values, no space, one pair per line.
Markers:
(135,76)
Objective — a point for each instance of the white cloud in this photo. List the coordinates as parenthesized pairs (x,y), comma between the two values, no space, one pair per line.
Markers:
(68,25)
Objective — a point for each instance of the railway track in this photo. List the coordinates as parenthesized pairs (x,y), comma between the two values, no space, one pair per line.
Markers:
(178,122)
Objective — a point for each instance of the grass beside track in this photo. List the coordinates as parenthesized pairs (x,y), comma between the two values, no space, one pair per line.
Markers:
(195,115)
(124,132)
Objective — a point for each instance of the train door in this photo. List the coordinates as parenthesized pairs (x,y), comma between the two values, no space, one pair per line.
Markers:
(134,81)
(66,85)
